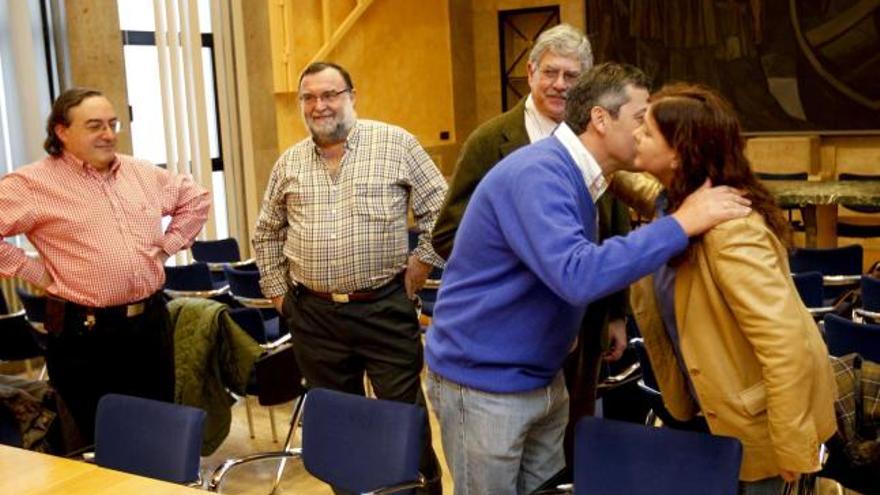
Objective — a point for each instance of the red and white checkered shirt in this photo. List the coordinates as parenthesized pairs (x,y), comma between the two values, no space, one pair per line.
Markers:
(95,233)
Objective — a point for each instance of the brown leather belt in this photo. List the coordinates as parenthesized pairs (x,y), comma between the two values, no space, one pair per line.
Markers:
(59,310)
(357,296)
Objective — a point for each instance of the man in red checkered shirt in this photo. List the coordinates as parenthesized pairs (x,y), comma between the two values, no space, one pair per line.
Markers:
(95,217)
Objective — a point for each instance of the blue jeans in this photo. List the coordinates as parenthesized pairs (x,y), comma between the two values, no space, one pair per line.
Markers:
(766,486)
(497,444)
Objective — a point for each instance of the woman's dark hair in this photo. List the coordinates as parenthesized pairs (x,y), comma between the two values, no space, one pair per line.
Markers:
(61,115)
(702,128)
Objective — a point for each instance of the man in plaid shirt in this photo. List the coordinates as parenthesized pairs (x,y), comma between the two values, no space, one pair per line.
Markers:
(331,245)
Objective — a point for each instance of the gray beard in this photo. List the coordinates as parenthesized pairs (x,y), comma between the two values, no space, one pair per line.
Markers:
(336,135)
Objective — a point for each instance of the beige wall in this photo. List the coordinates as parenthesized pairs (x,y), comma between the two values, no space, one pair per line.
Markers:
(486,45)
(399,56)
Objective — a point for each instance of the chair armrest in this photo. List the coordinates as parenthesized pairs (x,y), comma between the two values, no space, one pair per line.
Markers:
(197,293)
(17,314)
(255,302)
(632,372)
(276,343)
(871,316)
(838,280)
(820,311)
(219,266)
(406,485)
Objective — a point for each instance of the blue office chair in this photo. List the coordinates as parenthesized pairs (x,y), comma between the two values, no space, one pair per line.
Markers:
(244,286)
(363,445)
(870,310)
(841,268)
(219,254)
(845,336)
(651,391)
(811,289)
(848,227)
(614,457)
(194,280)
(149,438)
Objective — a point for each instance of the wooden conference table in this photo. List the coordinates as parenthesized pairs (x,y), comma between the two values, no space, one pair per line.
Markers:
(818,202)
(23,472)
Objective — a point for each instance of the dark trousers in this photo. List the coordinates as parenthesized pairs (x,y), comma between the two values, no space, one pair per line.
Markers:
(336,343)
(118,354)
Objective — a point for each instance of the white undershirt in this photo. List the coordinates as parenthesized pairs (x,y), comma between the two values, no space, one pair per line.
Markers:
(538,125)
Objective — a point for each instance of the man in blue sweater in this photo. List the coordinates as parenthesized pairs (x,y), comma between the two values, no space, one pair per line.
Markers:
(525,266)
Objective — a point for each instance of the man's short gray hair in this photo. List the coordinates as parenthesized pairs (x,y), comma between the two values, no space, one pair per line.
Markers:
(564,40)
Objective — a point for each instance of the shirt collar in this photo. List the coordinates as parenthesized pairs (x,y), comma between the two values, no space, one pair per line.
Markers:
(589,167)
(538,125)
(87,168)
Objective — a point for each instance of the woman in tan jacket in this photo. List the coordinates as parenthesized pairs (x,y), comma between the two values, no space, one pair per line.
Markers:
(726,331)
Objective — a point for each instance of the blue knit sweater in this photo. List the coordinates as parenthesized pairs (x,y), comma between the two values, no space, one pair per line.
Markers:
(523,269)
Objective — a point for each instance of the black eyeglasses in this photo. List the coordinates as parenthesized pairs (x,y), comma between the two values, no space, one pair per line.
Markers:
(329,97)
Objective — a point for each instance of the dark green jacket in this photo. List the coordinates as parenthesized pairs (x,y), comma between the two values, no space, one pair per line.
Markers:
(486,146)
(212,356)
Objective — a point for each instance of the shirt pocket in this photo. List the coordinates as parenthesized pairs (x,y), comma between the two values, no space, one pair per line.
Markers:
(144,219)
(373,201)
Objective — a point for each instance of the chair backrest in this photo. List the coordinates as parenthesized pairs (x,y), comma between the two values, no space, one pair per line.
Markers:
(34,305)
(359,444)
(613,457)
(219,251)
(251,321)
(871,293)
(149,438)
(846,336)
(244,283)
(193,277)
(775,176)
(278,376)
(845,260)
(863,177)
(809,287)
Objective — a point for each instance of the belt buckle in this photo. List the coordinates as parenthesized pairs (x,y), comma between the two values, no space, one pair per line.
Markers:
(134,309)
(339,298)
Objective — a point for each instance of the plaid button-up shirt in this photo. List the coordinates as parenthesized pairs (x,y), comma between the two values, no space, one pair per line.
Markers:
(349,234)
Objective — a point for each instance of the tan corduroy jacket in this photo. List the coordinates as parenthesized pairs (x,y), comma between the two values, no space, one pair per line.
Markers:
(757,361)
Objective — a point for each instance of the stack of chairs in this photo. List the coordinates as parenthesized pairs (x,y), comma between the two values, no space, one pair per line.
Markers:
(845,336)
(810,287)
(841,268)
(194,280)
(220,254)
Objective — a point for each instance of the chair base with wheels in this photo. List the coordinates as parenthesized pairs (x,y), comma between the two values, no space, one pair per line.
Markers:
(278,380)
